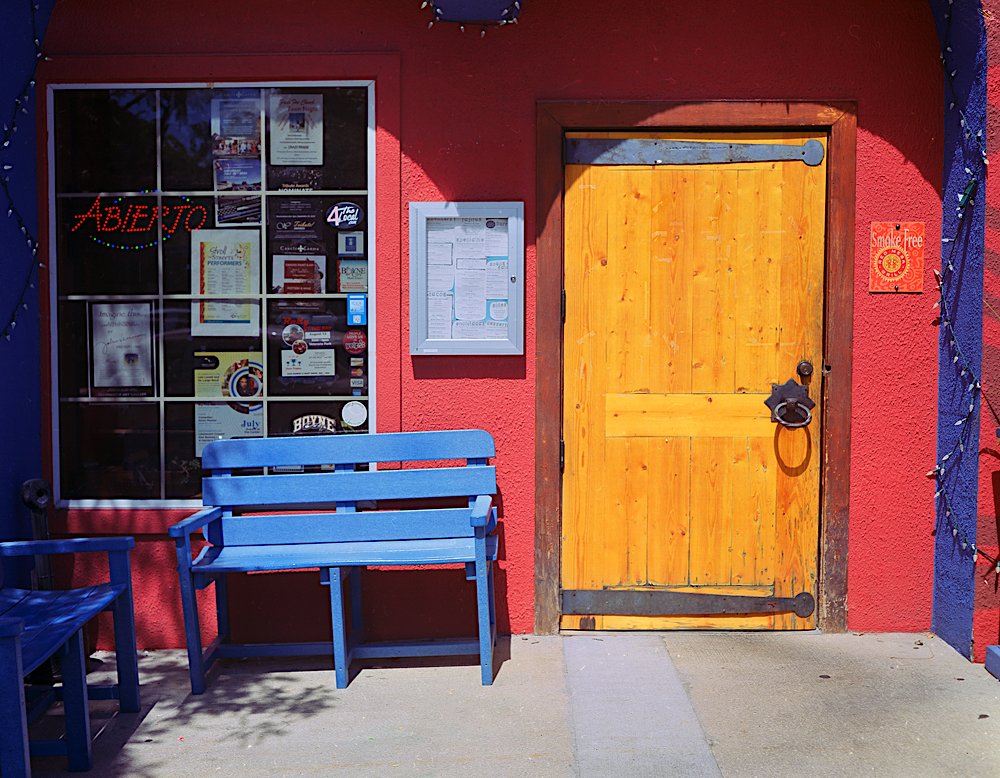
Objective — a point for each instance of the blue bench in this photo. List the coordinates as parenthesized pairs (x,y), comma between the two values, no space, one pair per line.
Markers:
(38,625)
(325,480)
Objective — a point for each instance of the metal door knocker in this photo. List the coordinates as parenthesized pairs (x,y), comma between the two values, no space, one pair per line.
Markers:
(790,404)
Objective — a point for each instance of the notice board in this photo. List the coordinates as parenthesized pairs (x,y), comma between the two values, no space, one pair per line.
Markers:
(466,278)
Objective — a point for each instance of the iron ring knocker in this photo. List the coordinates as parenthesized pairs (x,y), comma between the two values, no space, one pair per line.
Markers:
(792,424)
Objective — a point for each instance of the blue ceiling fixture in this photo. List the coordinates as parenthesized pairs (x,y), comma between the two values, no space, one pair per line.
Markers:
(481,12)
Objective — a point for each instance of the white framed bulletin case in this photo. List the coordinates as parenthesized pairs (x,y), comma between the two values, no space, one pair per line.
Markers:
(467,278)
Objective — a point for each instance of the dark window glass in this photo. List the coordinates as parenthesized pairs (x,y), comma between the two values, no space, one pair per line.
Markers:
(110,450)
(105,140)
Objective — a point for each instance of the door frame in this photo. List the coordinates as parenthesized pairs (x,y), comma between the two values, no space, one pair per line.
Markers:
(839,120)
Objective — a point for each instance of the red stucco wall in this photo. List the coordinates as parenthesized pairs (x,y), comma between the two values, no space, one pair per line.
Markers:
(466,132)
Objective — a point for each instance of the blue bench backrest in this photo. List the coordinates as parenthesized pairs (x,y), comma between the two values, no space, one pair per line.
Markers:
(275,492)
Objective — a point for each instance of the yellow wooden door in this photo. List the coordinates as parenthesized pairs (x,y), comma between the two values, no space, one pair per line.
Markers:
(690,290)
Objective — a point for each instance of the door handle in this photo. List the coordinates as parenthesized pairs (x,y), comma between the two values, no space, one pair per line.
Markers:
(790,404)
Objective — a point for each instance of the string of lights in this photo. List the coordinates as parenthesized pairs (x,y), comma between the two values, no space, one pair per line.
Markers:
(19,110)
(973,148)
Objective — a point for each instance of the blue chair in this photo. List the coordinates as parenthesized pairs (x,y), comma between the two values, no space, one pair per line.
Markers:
(38,625)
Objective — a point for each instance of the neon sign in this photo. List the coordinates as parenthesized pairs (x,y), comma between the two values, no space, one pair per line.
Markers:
(116,224)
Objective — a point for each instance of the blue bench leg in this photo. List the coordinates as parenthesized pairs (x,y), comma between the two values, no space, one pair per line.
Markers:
(341,660)
(192,626)
(14,757)
(357,615)
(126,655)
(222,606)
(74,675)
(484,609)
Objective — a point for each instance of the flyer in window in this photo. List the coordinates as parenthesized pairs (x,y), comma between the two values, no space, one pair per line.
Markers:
(225,263)
(307,350)
(122,339)
(296,122)
(298,275)
(352,275)
(221,421)
(237,174)
(237,209)
(235,374)
(236,127)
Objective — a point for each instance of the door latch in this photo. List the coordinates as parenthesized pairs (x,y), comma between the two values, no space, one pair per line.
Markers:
(790,403)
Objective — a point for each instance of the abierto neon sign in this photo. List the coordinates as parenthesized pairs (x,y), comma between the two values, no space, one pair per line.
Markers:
(132,226)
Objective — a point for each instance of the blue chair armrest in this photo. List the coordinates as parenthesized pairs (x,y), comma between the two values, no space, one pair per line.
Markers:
(65,546)
(481,511)
(10,628)
(195,522)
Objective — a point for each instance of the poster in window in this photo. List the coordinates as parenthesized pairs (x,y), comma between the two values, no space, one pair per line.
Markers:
(306,345)
(225,263)
(237,209)
(236,159)
(298,275)
(122,339)
(238,376)
(229,374)
(237,174)
(295,225)
(352,275)
(296,122)
(221,421)
(236,127)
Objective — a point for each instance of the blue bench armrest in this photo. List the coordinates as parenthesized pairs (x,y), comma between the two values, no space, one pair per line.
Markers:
(195,522)
(66,546)
(481,511)
(11,627)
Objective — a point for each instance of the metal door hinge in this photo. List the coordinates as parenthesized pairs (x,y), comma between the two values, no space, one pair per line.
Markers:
(642,151)
(562,455)
(562,306)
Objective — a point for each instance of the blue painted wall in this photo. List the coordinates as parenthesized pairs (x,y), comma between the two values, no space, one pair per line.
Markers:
(963,40)
(20,392)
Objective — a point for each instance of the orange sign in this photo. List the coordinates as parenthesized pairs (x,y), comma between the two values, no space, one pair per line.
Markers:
(897,257)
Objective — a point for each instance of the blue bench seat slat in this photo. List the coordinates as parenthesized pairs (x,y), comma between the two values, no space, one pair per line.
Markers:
(442,551)
(340,527)
(321,450)
(51,615)
(264,491)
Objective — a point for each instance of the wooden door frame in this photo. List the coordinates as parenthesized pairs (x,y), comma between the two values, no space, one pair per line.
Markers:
(839,120)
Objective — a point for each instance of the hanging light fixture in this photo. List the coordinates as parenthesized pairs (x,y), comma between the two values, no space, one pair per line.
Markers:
(484,13)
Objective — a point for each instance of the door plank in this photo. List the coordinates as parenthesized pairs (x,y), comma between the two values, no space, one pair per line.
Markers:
(796,501)
(711,511)
(669,520)
(671,250)
(586,240)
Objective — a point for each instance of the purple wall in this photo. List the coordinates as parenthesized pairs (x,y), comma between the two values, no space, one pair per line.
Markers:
(20,391)
(963,42)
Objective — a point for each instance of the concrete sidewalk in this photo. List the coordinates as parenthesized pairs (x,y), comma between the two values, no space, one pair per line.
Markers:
(593,704)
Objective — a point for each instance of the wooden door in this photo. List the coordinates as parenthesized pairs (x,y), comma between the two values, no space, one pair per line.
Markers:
(690,289)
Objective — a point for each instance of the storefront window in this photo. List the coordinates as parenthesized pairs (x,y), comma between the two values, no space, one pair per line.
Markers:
(211,276)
